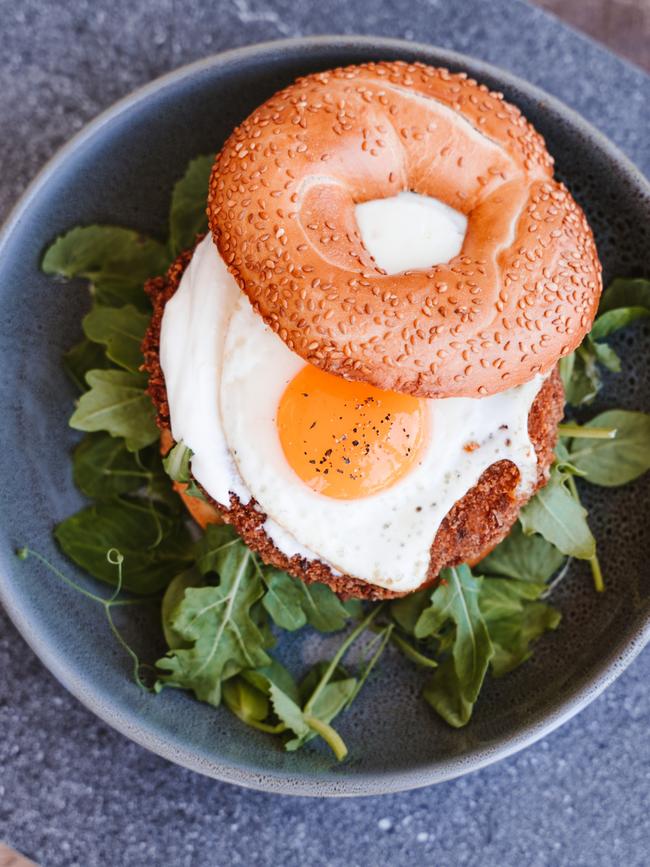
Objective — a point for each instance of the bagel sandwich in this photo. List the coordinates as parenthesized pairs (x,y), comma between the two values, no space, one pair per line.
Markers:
(361,354)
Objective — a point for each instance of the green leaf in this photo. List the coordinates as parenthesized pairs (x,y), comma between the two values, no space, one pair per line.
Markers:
(84,356)
(219,549)
(316,673)
(407,610)
(562,466)
(154,545)
(584,382)
(117,262)
(331,700)
(292,603)
(187,217)
(245,701)
(611,321)
(626,292)
(514,620)
(566,366)
(445,693)
(121,330)
(103,467)
(503,597)
(580,375)
(118,403)
(457,598)
(512,636)
(193,490)
(528,558)
(290,713)
(617,461)
(217,624)
(177,463)
(173,597)
(557,516)
(622,303)
(273,673)
(606,356)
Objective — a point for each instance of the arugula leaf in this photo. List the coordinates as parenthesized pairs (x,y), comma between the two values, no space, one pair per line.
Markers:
(560,518)
(276,673)
(154,545)
(616,461)
(292,603)
(173,597)
(187,217)
(514,620)
(502,597)
(81,358)
(512,636)
(606,356)
(580,375)
(611,321)
(247,702)
(406,611)
(325,692)
(525,557)
(219,550)
(177,463)
(290,713)
(308,723)
(121,330)
(218,624)
(332,699)
(118,403)
(117,262)
(315,675)
(626,292)
(457,599)
(103,467)
(444,692)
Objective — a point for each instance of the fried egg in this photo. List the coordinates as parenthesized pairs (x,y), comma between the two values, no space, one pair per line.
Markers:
(345,473)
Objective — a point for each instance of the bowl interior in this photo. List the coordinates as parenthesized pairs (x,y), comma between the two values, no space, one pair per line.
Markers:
(121,171)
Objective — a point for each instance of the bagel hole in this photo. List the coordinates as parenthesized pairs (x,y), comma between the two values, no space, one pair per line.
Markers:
(410,231)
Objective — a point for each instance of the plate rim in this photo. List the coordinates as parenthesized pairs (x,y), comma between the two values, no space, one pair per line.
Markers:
(170,747)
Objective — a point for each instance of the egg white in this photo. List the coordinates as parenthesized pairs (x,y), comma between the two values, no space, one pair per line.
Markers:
(384,538)
(192,337)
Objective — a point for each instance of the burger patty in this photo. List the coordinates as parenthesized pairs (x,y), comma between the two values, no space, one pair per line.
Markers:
(474,525)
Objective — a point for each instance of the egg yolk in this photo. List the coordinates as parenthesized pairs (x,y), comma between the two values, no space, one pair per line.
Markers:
(349,439)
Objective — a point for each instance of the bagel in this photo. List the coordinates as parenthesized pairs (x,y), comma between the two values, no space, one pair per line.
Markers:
(475,524)
(522,292)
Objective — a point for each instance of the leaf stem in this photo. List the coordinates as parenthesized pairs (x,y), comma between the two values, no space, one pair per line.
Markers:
(596,571)
(115,558)
(260,726)
(338,656)
(24,553)
(331,737)
(411,652)
(577,431)
(381,639)
(594,562)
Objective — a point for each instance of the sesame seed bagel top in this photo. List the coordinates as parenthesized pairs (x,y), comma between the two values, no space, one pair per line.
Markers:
(522,292)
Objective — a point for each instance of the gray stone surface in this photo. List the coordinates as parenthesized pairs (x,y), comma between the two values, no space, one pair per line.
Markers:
(73,792)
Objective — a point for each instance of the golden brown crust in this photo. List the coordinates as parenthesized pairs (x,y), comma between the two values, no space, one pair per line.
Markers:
(522,292)
(475,524)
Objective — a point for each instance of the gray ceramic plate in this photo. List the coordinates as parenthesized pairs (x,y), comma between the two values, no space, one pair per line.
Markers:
(120,170)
